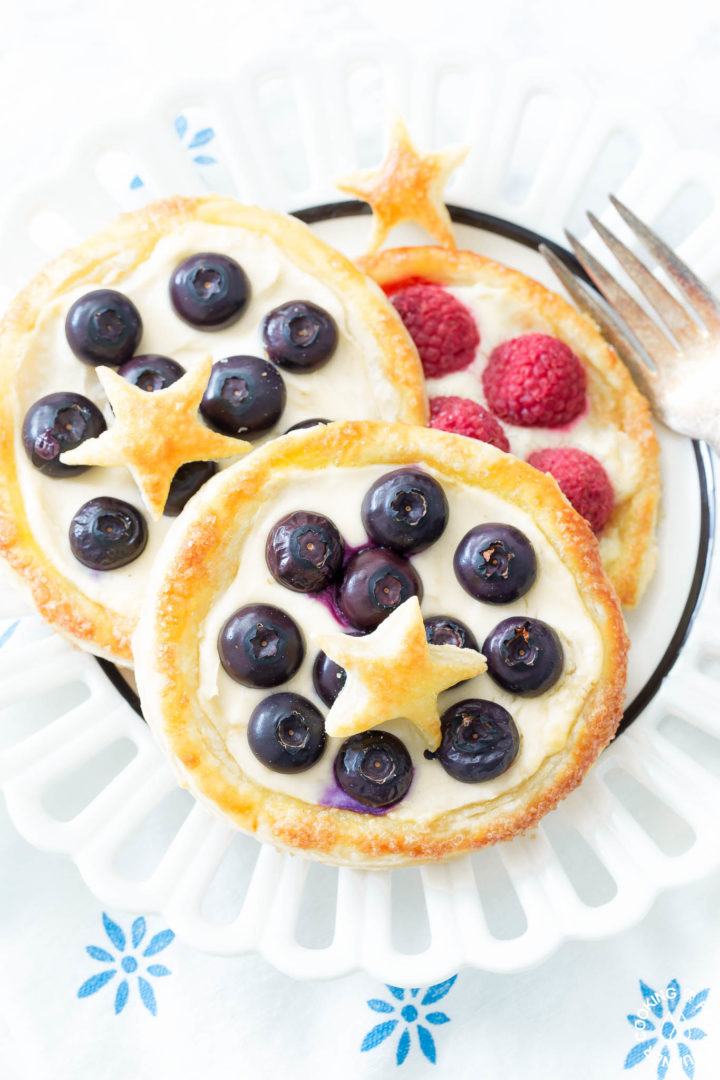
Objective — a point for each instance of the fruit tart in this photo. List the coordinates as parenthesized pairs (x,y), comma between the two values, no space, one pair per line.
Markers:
(378,644)
(511,363)
(178,338)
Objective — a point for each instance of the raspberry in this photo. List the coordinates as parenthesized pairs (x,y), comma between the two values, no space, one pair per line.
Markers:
(444,331)
(466,417)
(535,381)
(582,480)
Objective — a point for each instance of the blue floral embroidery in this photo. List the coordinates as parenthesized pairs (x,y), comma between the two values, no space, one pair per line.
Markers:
(129,964)
(657,1004)
(200,138)
(409,1013)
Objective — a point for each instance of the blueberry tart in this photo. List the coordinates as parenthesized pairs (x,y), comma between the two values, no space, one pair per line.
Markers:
(137,365)
(378,644)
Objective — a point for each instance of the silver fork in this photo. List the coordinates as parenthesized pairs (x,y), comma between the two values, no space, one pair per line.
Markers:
(675,360)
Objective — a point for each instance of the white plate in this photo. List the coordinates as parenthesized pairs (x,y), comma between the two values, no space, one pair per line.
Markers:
(80,771)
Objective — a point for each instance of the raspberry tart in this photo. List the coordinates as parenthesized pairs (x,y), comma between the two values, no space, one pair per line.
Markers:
(511,363)
(378,644)
(138,363)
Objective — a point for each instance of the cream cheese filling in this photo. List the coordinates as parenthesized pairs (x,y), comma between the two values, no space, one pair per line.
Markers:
(544,722)
(349,386)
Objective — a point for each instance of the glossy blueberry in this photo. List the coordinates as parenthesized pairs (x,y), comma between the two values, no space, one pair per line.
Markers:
(189,478)
(446,630)
(304,552)
(209,290)
(328,678)
(524,655)
(151,372)
(260,645)
(479,740)
(495,563)
(244,395)
(405,510)
(299,336)
(56,423)
(107,533)
(374,768)
(307,424)
(103,327)
(375,582)
(286,733)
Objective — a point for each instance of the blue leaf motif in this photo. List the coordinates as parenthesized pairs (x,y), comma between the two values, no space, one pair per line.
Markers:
(653,999)
(639,1053)
(438,991)
(403,1047)
(136,182)
(159,942)
(663,1063)
(641,1023)
(673,995)
(380,1006)
(181,125)
(694,1033)
(95,983)
(159,969)
(114,932)
(138,931)
(201,138)
(378,1034)
(148,995)
(100,954)
(121,997)
(686,1060)
(694,1005)
(427,1043)
(437,1018)
(8,633)
(204,159)
(396,991)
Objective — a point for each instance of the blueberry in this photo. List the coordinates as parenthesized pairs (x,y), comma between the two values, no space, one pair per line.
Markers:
(286,733)
(307,424)
(107,533)
(405,510)
(151,372)
(328,678)
(244,394)
(480,740)
(209,291)
(260,645)
(304,552)
(103,327)
(375,768)
(299,336)
(189,478)
(375,582)
(524,656)
(495,563)
(56,423)
(446,630)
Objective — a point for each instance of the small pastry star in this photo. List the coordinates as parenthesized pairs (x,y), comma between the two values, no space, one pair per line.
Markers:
(155,432)
(393,672)
(407,187)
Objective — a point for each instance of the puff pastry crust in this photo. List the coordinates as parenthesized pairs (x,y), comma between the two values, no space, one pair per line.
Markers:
(200,560)
(627,543)
(107,260)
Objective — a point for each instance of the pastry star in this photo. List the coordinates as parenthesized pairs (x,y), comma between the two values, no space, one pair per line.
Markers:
(393,672)
(407,187)
(154,433)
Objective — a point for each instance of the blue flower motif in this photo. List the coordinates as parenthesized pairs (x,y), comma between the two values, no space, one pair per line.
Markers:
(129,964)
(663,1006)
(409,1014)
(200,138)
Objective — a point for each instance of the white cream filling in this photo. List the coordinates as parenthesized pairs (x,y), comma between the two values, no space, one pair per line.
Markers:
(500,321)
(543,722)
(349,386)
